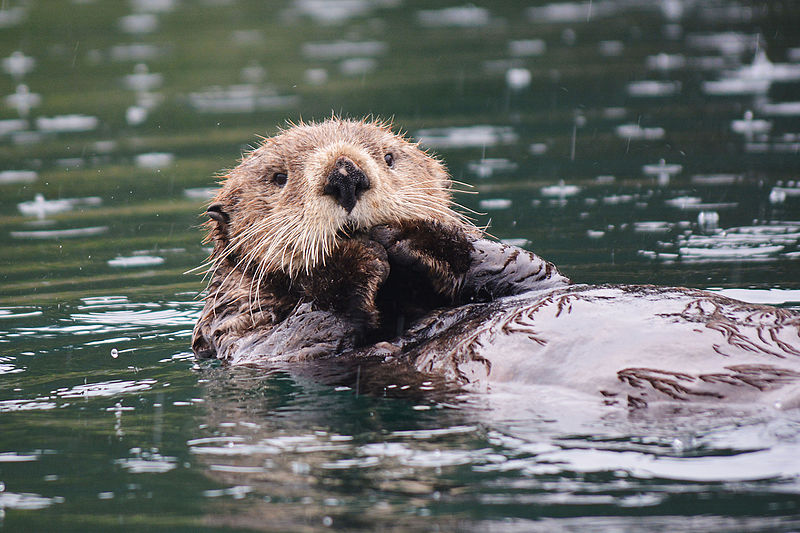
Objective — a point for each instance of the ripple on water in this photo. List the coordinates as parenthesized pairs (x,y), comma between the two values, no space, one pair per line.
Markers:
(461,17)
(491,204)
(245,98)
(154,160)
(40,207)
(561,190)
(653,88)
(746,243)
(135,261)
(67,123)
(487,167)
(105,389)
(14,457)
(467,136)
(17,176)
(344,49)
(9,312)
(60,233)
(26,501)
(141,317)
(147,462)
(200,193)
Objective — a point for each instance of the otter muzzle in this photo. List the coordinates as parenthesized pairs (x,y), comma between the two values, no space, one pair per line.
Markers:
(346,182)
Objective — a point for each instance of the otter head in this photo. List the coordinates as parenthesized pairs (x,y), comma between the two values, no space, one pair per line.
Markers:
(293,199)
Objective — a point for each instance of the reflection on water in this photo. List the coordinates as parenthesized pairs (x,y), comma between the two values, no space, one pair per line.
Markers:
(625,141)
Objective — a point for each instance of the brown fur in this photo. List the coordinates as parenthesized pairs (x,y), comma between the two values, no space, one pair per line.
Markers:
(278,246)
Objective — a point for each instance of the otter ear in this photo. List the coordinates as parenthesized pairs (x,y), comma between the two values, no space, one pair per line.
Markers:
(215,212)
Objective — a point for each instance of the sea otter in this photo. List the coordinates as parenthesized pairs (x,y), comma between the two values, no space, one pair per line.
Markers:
(339,239)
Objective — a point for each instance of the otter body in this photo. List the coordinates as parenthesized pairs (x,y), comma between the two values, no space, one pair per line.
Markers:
(338,239)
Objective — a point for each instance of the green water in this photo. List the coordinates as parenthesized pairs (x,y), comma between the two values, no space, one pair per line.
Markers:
(107,423)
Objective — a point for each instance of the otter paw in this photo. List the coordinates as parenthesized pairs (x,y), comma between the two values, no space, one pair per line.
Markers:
(349,281)
(440,253)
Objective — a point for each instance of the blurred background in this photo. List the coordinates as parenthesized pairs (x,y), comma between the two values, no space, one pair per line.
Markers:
(626,141)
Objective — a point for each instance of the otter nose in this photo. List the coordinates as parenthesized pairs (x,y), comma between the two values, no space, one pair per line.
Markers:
(346,182)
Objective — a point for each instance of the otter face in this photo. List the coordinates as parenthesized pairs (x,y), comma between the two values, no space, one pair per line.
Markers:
(294,198)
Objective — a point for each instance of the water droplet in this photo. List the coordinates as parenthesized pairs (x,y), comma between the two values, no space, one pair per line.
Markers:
(114,353)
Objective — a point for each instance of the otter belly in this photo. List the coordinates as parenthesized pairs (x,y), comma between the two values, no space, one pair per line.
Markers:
(628,345)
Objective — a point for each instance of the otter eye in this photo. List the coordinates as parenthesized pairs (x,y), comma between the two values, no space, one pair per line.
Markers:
(279,179)
(389,158)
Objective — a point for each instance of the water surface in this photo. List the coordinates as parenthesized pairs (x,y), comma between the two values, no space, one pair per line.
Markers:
(627,143)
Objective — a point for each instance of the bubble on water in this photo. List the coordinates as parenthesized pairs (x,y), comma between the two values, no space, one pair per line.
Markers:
(18,64)
(518,78)
(114,353)
(777,195)
(135,115)
(708,220)
(23,100)
(327,521)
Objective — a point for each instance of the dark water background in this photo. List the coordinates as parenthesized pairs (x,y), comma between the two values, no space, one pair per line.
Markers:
(116,116)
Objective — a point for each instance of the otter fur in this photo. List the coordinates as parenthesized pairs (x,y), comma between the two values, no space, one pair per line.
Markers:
(339,239)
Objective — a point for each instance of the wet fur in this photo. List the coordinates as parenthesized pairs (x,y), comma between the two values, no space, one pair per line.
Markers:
(277,248)
(399,278)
